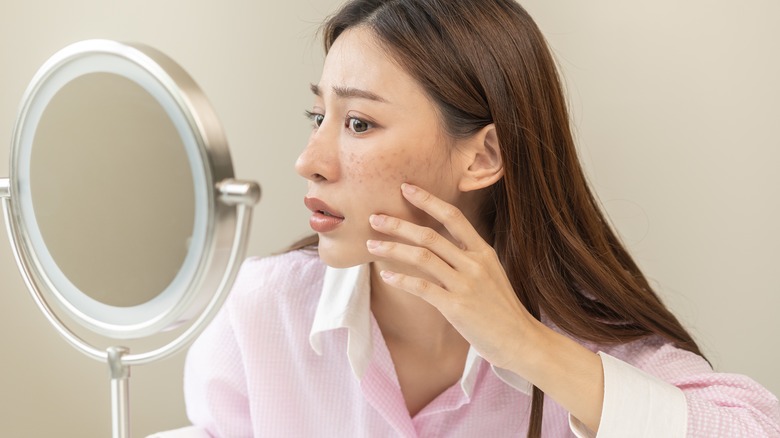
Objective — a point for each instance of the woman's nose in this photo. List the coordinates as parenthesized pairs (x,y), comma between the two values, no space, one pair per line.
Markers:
(319,161)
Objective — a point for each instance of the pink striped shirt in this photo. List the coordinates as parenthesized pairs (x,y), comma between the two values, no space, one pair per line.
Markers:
(295,352)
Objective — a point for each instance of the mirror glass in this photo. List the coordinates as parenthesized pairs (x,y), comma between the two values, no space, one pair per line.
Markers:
(112,189)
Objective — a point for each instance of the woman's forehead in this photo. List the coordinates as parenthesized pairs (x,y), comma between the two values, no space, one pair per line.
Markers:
(356,63)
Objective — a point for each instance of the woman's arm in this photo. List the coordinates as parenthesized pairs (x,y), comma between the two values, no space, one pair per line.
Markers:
(466,282)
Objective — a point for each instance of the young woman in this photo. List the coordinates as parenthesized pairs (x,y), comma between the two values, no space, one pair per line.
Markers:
(464,282)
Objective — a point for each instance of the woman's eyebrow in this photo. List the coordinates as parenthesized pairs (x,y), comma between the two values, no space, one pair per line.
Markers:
(350,92)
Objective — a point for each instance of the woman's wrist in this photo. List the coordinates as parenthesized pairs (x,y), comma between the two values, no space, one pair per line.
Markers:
(526,347)
(563,369)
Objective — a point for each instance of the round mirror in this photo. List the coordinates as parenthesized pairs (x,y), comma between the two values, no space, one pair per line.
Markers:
(123,210)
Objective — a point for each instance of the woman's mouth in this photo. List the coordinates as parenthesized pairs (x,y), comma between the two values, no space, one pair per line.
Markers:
(323,218)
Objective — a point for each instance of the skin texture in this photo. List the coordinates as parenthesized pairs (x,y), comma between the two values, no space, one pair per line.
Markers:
(409,194)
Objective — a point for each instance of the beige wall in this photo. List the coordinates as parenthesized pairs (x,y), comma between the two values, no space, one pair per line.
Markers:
(675,106)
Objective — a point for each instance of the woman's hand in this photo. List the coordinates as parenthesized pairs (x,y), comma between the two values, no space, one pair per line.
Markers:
(465,280)
(468,285)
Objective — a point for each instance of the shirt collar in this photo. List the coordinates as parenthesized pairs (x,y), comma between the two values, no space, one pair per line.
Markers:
(345,302)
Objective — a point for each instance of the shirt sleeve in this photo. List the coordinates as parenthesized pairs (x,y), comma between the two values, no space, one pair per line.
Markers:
(660,390)
(636,404)
(214,382)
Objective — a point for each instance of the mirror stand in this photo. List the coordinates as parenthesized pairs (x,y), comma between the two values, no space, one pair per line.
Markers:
(120,392)
(242,195)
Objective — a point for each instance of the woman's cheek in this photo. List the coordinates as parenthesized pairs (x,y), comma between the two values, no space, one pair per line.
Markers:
(379,170)
(377,179)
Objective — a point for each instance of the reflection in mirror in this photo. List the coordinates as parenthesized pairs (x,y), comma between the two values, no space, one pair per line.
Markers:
(117,224)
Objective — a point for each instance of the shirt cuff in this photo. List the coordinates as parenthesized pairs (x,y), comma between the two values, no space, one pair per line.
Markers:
(636,404)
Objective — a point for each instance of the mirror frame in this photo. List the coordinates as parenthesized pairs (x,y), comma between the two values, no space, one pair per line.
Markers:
(215,222)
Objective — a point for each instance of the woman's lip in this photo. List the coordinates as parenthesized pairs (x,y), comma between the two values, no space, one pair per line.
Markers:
(318,206)
(323,218)
(322,223)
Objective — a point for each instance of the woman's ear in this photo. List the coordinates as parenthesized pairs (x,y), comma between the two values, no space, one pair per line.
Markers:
(483,163)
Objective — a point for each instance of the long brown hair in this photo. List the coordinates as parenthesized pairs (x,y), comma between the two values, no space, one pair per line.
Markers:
(486,61)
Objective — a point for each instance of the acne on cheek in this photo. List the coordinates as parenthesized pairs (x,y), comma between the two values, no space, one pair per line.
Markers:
(386,172)
(383,169)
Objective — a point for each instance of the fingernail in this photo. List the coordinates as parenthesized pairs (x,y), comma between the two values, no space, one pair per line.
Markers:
(408,188)
(372,244)
(387,275)
(376,219)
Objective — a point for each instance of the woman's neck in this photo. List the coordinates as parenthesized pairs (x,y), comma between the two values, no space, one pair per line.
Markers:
(406,318)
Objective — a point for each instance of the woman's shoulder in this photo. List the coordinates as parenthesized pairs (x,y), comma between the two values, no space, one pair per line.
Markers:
(298,270)
(301,261)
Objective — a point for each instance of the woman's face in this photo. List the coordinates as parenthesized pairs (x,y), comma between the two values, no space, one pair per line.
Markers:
(374,128)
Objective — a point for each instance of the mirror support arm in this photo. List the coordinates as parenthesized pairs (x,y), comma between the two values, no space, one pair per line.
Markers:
(234,192)
(238,248)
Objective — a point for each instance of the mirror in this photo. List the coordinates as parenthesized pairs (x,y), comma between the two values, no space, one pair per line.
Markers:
(121,205)
(134,150)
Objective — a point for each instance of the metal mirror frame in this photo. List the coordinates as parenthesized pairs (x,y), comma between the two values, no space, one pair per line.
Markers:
(223,212)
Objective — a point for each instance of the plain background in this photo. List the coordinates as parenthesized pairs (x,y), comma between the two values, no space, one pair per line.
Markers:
(675,106)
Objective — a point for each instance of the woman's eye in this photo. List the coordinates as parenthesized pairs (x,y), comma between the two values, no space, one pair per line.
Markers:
(357,125)
(315,118)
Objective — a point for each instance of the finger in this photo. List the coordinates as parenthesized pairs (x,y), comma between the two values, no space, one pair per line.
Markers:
(420,236)
(420,258)
(447,214)
(422,288)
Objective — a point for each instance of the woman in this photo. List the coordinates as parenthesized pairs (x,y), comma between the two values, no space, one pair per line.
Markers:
(465,282)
